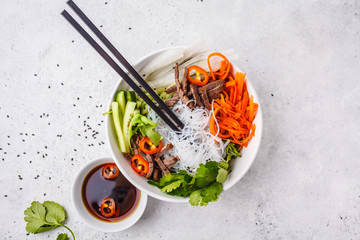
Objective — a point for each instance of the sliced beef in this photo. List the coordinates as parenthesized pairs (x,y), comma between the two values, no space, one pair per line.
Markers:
(182,94)
(172,100)
(169,162)
(150,160)
(205,98)
(185,81)
(134,141)
(214,93)
(212,85)
(156,174)
(195,94)
(170,89)
(163,150)
(162,166)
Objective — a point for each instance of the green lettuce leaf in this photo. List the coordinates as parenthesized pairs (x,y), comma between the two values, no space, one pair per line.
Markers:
(146,128)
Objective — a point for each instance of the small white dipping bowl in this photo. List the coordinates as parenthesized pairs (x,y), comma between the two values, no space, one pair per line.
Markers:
(90,219)
(240,165)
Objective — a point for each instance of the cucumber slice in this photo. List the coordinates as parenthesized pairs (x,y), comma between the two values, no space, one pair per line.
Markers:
(121,99)
(116,115)
(129,114)
(131,96)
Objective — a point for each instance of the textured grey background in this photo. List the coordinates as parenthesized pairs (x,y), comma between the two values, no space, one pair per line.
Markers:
(301,56)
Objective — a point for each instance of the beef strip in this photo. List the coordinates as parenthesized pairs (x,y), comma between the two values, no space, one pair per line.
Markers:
(194,92)
(162,166)
(205,98)
(215,92)
(156,174)
(134,141)
(185,82)
(151,164)
(172,100)
(182,95)
(163,150)
(170,89)
(169,162)
(212,85)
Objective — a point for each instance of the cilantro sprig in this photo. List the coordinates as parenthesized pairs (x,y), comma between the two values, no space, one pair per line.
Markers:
(44,217)
(203,187)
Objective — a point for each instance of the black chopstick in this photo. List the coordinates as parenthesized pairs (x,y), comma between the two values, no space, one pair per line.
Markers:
(117,68)
(124,62)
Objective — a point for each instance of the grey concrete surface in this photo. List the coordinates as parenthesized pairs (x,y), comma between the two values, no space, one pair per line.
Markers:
(302,57)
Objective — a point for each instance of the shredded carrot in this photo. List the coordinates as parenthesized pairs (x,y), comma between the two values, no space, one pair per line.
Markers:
(234,110)
(225,67)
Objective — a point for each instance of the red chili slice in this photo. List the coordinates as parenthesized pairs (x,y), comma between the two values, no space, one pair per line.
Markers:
(139,164)
(110,171)
(201,76)
(107,207)
(147,146)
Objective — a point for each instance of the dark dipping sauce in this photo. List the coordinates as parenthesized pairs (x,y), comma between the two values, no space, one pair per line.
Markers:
(95,188)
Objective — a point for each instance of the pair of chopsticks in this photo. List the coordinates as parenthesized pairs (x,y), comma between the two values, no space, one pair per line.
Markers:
(125,64)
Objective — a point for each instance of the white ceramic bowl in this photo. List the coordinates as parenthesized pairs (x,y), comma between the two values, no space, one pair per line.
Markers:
(90,219)
(240,165)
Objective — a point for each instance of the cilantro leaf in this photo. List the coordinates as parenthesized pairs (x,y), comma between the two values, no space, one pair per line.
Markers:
(172,186)
(166,179)
(62,236)
(205,174)
(195,198)
(211,193)
(35,217)
(55,214)
(208,194)
(222,175)
(224,165)
(44,217)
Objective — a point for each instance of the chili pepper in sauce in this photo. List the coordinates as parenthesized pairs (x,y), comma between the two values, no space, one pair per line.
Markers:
(107,207)
(110,171)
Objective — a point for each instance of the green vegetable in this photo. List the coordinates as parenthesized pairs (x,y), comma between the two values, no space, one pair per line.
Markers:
(106,113)
(203,196)
(44,217)
(146,128)
(121,100)
(129,114)
(203,187)
(62,236)
(222,175)
(123,145)
(130,96)
(231,152)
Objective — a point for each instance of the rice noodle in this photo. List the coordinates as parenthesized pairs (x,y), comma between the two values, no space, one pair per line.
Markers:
(194,145)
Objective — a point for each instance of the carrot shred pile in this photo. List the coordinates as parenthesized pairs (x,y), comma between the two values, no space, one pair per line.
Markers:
(234,110)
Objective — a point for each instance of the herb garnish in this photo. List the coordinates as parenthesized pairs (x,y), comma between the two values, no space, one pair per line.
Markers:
(203,187)
(44,217)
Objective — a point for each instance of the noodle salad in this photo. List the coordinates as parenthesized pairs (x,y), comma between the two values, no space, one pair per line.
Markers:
(217,112)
